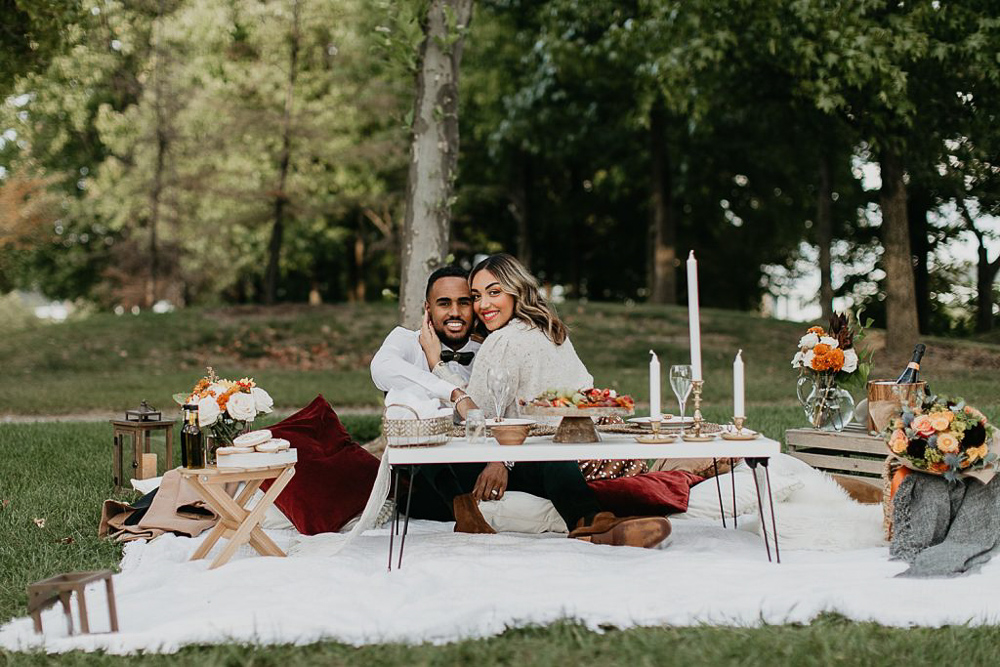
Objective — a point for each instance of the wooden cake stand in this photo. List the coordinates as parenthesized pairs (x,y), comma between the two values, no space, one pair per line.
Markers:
(577,424)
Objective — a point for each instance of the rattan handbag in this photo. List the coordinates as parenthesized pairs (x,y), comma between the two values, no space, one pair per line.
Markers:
(415,432)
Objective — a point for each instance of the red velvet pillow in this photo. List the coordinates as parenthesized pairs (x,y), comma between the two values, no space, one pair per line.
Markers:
(334,475)
(648,494)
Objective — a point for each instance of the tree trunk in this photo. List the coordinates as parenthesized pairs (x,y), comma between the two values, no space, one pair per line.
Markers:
(986,274)
(281,197)
(901,314)
(156,192)
(433,153)
(520,209)
(824,237)
(358,288)
(663,284)
(917,204)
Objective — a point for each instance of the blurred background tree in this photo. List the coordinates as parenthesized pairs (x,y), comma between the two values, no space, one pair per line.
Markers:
(257,151)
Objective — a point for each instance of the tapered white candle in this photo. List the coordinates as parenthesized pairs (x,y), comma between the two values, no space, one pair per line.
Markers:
(739,407)
(654,386)
(694,324)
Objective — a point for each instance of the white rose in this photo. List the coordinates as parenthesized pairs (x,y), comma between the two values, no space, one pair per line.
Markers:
(827,340)
(241,406)
(208,411)
(807,359)
(850,361)
(809,341)
(797,360)
(216,389)
(262,400)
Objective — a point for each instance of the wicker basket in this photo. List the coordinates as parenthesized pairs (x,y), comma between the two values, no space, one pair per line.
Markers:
(415,432)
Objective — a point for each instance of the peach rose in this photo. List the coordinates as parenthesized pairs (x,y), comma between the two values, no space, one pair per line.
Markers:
(922,425)
(898,442)
(941,420)
(947,443)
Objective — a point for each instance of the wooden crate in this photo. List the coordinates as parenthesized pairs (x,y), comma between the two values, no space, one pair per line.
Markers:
(851,452)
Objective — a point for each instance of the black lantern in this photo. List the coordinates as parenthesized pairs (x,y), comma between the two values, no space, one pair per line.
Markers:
(132,437)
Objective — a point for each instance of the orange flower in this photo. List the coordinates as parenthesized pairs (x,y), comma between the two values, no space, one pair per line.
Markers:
(821,350)
(941,421)
(835,359)
(817,330)
(939,466)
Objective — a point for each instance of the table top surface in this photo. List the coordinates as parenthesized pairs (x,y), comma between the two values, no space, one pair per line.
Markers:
(213,471)
(611,446)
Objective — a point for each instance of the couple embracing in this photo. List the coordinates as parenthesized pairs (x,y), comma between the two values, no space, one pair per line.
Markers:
(499,302)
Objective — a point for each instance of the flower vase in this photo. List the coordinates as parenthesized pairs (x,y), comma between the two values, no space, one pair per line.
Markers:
(221,434)
(827,407)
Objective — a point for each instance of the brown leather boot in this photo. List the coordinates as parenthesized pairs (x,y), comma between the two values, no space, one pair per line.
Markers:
(468,518)
(606,528)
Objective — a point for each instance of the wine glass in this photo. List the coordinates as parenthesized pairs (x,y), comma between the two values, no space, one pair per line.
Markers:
(498,383)
(680,382)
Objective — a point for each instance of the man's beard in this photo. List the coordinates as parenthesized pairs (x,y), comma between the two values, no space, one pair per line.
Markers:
(450,339)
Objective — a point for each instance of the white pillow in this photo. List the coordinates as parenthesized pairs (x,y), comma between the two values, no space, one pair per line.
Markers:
(785,479)
(519,512)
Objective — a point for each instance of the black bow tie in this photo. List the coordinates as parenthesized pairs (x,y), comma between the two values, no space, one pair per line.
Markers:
(464,358)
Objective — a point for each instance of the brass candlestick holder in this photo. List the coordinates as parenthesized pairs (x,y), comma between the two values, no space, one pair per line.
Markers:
(739,433)
(694,434)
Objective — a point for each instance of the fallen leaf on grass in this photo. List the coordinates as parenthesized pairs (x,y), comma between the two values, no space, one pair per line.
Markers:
(4,503)
(39,522)
(67,540)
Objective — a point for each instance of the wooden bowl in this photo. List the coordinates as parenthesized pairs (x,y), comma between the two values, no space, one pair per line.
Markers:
(510,434)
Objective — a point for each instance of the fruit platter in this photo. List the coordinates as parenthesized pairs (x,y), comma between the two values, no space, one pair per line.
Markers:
(577,408)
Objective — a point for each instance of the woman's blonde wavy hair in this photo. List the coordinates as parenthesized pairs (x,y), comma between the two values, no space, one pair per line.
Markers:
(529,304)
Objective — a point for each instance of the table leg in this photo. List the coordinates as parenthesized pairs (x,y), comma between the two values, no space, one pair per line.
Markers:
(770,500)
(112,607)
(760,507)
(406,523)
(732,477)
(718,487)
(395,519)
(220,528)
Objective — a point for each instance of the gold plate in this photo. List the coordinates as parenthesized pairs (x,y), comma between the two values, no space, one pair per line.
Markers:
(655,439)
(746,435)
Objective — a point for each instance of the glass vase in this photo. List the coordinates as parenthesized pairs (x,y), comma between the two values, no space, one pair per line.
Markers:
(827,407)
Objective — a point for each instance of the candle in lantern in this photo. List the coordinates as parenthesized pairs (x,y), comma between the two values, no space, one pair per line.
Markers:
(739,406)
(694,325)
(654,386)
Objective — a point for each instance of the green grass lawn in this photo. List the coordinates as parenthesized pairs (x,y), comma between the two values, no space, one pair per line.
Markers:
(109,363)
(61,472)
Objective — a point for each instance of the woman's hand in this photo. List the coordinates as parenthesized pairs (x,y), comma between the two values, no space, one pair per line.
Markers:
(429,342)
(492,482)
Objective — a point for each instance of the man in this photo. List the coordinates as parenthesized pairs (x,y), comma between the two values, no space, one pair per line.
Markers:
(401,362)
(437,361)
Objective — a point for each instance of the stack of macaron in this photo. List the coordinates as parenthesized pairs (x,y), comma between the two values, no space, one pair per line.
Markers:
(255,441)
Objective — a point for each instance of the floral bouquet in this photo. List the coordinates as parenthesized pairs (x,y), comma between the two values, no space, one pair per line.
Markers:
(827,360)
(942,436)
(226,407)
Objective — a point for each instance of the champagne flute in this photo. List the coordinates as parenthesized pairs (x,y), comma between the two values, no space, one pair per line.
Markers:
(498,383)
(680,382)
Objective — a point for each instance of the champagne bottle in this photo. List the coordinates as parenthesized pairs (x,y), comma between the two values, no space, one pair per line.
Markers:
(192,439)
(912,371)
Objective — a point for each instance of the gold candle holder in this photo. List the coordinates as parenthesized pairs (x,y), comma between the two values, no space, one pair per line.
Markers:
(694,434)
(739,433)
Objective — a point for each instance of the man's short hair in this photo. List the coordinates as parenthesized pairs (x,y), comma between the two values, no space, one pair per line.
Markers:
(450,271)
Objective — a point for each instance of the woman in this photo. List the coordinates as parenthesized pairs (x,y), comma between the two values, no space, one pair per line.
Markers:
(524,337)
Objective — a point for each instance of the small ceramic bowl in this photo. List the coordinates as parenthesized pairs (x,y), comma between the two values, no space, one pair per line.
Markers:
(510,434)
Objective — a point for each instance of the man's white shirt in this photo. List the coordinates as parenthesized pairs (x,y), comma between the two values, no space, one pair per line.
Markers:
(401,364)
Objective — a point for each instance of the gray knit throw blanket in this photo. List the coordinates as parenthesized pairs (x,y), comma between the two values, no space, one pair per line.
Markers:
(944,529)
